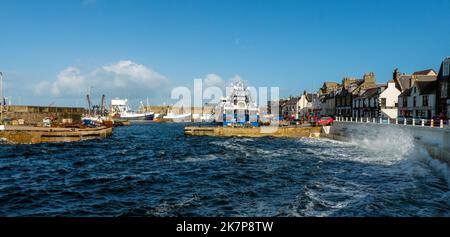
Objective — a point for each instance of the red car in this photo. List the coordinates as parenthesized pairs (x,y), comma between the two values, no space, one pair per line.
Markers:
(325,121)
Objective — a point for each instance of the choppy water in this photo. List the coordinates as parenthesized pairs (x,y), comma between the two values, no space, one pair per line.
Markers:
(153,170)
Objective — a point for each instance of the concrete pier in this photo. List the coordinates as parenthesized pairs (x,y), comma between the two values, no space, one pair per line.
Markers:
(33,135)
(32,115)
(253,132)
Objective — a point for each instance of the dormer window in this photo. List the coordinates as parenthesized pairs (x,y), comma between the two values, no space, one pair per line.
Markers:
(446,67)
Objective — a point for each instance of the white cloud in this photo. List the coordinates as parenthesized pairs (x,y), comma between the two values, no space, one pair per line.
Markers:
(124,73)
(116,79)
(213,80)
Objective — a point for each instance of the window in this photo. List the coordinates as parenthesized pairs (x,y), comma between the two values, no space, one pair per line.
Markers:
(446,68)
(425,100)
(421,113)
(444,89)
(405,101)
(383,102)
(414,101)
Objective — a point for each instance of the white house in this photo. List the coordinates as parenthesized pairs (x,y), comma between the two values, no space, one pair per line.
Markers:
(305,104)
(389,101)
(419,100)
(301,106)
(379,101)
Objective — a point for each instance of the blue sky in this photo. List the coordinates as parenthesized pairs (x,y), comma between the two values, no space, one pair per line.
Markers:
(296,45)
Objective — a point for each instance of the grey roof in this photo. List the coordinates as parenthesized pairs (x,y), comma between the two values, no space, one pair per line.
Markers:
(425,78)
(404,81)
(310,96)
(406,93)
(441,76)
(426,87)
(371,92)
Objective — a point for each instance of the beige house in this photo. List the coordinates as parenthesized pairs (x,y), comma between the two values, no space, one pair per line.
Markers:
(326,96)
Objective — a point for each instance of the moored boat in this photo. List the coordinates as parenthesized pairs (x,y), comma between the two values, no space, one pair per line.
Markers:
(121,109)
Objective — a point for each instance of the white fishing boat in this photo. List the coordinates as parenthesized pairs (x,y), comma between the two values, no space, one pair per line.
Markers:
(121,109)
(203,117)
(178,117)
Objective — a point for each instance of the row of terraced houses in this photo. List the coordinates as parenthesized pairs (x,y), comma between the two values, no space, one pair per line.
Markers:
(422,94)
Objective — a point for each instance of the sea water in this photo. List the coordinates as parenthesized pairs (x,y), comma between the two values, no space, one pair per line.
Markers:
(154,170)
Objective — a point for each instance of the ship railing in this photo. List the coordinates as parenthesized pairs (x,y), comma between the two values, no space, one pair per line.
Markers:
(402,121)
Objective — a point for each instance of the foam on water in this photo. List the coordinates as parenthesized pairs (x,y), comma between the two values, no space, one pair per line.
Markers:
(137,173)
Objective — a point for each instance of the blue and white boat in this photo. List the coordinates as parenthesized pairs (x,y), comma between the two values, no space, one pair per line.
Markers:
(238,108)
(121,109)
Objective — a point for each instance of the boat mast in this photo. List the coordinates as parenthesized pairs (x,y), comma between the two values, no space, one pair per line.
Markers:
(102,108)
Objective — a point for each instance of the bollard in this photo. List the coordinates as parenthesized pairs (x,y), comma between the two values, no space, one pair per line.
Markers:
(405,122)
(381,120)
(432,123)
(389,121)
(351,119)
(441,125)
(396,120)
(414,122)
(423,123)
(367,120)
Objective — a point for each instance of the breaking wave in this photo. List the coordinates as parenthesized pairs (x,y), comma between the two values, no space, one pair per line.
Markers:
(154,170)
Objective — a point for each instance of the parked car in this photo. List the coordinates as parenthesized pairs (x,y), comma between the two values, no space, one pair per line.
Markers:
(325,121)
(437,120)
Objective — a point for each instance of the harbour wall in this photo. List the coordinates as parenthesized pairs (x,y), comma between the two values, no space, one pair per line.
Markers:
(164,109)
(32,115)
(435,140)
(253,132)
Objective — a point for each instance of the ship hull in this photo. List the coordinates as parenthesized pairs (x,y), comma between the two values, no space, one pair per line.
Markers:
(138,117)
